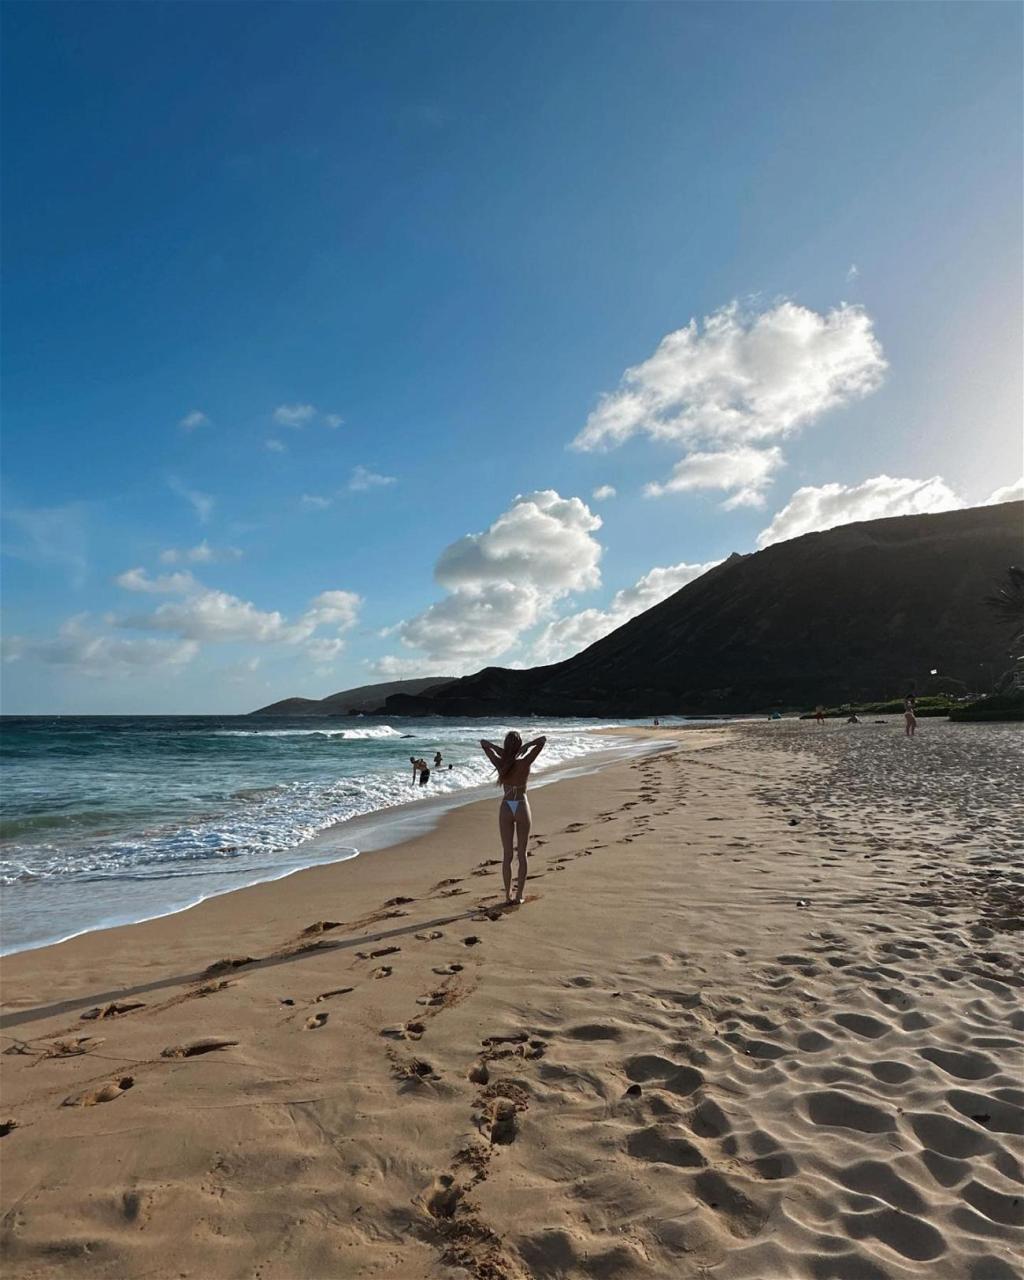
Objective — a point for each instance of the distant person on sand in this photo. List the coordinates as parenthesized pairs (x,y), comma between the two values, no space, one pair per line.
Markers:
(513,761)
(909,715)
(819,714)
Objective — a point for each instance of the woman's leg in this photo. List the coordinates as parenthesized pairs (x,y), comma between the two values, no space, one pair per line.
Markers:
(506,826)
(523,822)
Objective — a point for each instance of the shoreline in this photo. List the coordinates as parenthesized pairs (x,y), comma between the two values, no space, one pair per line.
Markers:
(384,828)
(758,1016)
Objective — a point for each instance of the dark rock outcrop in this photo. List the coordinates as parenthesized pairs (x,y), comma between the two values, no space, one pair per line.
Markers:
(859,612)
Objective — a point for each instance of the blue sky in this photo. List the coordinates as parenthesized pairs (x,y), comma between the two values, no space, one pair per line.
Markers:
(306,305)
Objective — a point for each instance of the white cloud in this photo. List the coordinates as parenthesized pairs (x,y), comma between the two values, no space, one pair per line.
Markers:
(196,418)
(852,273)
(812,509)
(746,470)
(314,502)
(206,614)
(337,608)
(275,446)
(96,653)
(603,492)
(503,581)
(1008,493)
(50,536)
(333,420)
(168,584)
(543,540)
(742,379)
(201,503)
(324,652)
(567,636)
(294,415)
(202,553)
(363,479)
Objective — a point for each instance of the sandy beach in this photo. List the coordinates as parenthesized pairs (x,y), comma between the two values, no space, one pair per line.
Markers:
(758,1019)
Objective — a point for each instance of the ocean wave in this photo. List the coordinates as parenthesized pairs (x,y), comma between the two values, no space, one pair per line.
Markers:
(354,735)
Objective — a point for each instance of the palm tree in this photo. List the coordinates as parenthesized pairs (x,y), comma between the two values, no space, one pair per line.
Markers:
(1008,602)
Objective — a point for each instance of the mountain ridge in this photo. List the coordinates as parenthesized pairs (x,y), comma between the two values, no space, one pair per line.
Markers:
(362,699)
(844,614)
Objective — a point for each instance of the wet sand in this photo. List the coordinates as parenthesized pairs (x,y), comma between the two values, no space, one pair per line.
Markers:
(759,1018)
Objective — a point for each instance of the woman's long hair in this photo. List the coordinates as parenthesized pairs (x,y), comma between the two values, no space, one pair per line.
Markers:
(510,750)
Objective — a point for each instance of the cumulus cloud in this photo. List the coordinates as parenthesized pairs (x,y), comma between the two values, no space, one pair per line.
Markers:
(206,614)
(362,479)
(1008,493)
(543,540)
(603,492)
(294,415)
(201,553)
(815,508)
(567,636)
(740,380)
(743,469)
(89,652)
(503,581)
(201,503)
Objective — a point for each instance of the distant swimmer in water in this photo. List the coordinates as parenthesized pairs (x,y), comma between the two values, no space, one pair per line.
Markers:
(909,715)
(513,760)
(437,759)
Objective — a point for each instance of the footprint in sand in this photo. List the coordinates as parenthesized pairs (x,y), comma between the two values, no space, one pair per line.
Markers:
(315,1021)
(321,926)
(447,969)
(71,1048)
(226,965)
(408,1031)
(502,1121)
(471,941)
(452,893)
(193,1048)
(398,902)
(374,955)
(115,1010)
(430,936)
(382,971)
(106,1093)
(327,995)
(444,884)
(7,1126)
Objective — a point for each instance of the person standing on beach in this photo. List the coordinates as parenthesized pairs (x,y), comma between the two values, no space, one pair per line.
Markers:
(819,713)
(513,760)
(909,715)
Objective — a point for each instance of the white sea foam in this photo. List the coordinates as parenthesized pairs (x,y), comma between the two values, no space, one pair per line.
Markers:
(354,735)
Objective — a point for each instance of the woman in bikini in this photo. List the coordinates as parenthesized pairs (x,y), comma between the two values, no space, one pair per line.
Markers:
(513,760)
(909,715)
